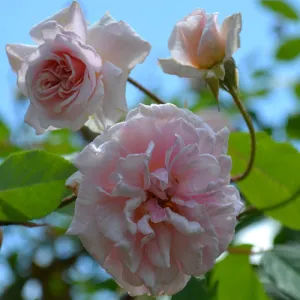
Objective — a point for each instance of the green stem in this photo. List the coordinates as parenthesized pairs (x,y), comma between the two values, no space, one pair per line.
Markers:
(145,91)
(250,126)
(67,200)
(252,209)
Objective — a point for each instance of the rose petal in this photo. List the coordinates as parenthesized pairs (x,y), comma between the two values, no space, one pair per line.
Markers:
(31,118)
(211,49)
(171,66)
(70,18)
(114,101)
(118,43)
(231,29)
(184,39)
(17,53)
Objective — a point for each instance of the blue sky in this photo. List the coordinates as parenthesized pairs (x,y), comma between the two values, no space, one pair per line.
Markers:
(153,20)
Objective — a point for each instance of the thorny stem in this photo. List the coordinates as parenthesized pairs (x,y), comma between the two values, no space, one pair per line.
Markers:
(24,224)
(247,118)
(67,200)
(145,91)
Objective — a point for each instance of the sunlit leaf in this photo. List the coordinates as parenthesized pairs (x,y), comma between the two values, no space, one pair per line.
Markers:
(289,49)
(236,279)
(282,8)
(32,184)
(274,178)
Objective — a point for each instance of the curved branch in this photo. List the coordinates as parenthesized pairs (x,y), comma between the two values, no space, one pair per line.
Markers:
(145,91)
(251,209)
(67,200)
(250,126)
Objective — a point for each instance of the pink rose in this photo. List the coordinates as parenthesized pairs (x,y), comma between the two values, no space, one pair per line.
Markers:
(199,48)
(155,205)
(76,72)
(216,119)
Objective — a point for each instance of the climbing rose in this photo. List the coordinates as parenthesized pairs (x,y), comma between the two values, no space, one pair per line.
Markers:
(199,48)
(75,72)
(155,205)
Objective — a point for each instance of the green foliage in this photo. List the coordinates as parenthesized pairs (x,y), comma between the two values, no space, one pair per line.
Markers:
(5,145)
(236,279)
(281,266)
(195,289)
(60,142)
(286,236)
(32,184)
(274,178)
(297,89)
(293,127)
(289,49)
(281,8)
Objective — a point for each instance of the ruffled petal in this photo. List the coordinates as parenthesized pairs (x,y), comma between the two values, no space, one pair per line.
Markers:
(173,67)
(211,49)
(231,29)
(114,102)
(70,18)
(17,53)
(185,37)
(118,43)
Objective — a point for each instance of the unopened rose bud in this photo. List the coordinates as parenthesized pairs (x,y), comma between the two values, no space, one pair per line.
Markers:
(199,48)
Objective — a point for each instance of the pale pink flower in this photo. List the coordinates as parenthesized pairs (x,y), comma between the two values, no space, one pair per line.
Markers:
(155,205)
(217,120)
(76,72)
(199,48)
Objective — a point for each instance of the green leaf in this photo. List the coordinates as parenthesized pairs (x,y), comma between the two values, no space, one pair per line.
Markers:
(32,184)
(195,289)
(288,50)
(287,235)
(4,131)
(297,89)
(274,178)
(236,279)
(271,289)
(281,8)
(293,127)
(61,142)
(6,147)
(282,265)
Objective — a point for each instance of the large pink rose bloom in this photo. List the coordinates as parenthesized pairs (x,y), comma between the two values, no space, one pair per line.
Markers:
(199,47)
(155,205)
(76,72)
